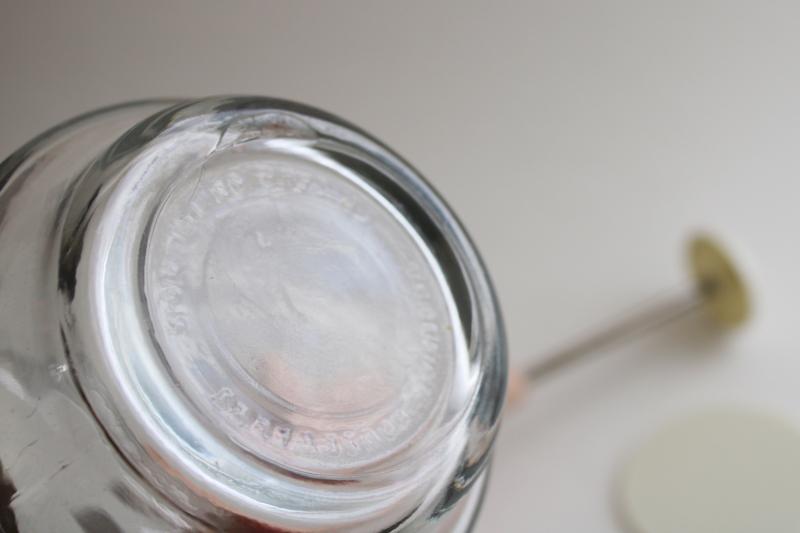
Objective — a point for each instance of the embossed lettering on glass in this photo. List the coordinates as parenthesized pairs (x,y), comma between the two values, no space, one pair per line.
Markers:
(238,314)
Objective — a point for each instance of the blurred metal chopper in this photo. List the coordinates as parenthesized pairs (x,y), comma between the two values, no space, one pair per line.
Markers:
(717,291)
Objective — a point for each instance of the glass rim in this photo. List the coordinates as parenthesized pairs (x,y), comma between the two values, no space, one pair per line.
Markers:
(127,421)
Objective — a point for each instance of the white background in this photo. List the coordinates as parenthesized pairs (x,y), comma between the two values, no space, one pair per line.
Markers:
(580,143)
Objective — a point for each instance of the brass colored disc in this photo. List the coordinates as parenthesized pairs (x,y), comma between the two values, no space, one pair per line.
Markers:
(723,289)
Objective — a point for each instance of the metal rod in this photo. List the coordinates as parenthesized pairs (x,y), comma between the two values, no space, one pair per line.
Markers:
(627,327)
(716,287)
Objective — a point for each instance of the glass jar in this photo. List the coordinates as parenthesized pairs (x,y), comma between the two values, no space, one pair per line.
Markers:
(238,314)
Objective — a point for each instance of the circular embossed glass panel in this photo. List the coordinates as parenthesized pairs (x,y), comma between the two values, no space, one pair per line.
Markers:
(297,309)
(277,320)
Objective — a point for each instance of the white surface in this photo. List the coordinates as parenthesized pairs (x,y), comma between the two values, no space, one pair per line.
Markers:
(724,471)
(578,142)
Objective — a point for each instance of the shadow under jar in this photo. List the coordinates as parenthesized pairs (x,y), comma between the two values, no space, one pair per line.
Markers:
(238,314)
